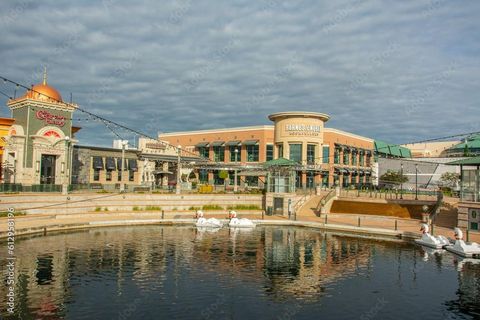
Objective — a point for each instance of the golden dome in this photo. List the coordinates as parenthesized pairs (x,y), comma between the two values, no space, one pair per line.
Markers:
(43,91)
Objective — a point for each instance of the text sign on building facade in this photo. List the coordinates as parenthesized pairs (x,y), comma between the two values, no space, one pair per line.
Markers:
(302,129)
(50,118)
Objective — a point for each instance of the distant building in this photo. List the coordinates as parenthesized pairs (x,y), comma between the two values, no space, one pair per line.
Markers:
(469,147)
(430,149)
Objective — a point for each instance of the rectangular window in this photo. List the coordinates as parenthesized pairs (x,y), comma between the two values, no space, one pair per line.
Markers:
(346,157)
(203,176)
(337,156)
(119,176)
(251,181)
(235,156)
(252,153)
(218,153)
(96,174)
(354,158)
(269,152)
(473,226)
(231,176)
(326,154)
(216,179)
(131,175)
(296,152)
(311,153)
(204,152)
(280,150)
(108,175)
(361,161)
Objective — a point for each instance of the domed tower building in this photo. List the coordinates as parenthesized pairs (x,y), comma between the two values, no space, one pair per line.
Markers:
(39,145)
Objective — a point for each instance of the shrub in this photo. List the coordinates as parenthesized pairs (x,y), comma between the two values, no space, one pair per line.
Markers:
(194,208)
(16,213)
(106,209)
(98,209)
(244,207)
(153,208)
(212,207)
(136,208)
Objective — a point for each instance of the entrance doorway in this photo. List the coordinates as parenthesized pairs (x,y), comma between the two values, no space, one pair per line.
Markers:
(278,206)
(47,169)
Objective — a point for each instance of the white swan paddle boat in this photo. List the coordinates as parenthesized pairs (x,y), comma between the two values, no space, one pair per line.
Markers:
(239,223)
(462,248)
(428,240)
(207,223)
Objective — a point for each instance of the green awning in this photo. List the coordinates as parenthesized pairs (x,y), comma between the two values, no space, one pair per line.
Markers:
(472,161)
(382,147)
(280,162)
(250,142)
(218,143)
(395,150)
(202,144)
(233,143)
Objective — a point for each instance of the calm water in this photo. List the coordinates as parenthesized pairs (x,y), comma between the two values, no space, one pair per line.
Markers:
(270,273)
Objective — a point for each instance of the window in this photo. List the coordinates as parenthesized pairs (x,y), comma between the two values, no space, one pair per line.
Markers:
(235,156)
(131,175)
(96,174)
(204,152)
(252,153)
(326,154)
(217,180)
(251,181)
(219,153)
(280,150)
(311,153)
(296,152)
(354,158)
(109,175)
(231,176)
(203,176)
(361,161)
(473,226)
(269,152)
(346,157)
(337,156)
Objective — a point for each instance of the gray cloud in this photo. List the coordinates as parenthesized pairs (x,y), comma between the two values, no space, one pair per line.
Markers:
(380,68)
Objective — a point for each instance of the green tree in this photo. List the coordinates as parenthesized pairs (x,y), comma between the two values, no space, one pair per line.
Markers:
(223,174)
(392,177)
(449,179)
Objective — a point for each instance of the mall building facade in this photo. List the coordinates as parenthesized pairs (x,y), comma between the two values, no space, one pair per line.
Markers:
(325,156)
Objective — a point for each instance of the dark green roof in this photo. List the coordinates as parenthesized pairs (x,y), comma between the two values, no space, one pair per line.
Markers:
(472,143)
(280,162)
(392,149)
(473,161)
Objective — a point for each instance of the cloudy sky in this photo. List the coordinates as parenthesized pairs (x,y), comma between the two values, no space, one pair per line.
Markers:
(400,71)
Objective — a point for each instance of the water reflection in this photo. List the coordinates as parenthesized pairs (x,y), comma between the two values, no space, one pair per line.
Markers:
(183,272)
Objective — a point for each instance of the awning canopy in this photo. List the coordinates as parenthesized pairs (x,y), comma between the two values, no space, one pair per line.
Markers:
(252,173)
(202,144)
(250,142)
(280,162)
(132,164)
(218,143)
(110,163)
(233,143)
(471,161)
(98,163)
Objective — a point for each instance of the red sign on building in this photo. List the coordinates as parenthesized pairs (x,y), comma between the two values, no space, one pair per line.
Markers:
(50,118)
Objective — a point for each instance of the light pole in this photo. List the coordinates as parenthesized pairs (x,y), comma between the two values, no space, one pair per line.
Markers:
(401,181)
(122,185)
(178,187)
(235,188)
(416,181)
(65,166)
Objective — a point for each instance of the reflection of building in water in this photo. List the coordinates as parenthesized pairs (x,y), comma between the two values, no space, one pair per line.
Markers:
(468,293)
(300,262)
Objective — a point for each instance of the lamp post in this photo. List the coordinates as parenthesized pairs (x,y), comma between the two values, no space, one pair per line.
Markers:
(122,185)
(178,187)
(235,188)
(416,181)
(401,181)
(65,168)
